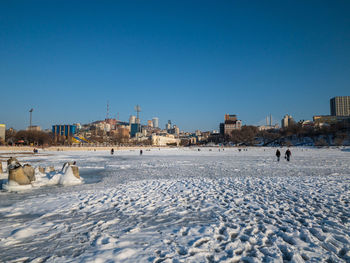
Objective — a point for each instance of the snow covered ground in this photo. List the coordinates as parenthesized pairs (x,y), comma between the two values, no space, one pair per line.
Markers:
(184,205)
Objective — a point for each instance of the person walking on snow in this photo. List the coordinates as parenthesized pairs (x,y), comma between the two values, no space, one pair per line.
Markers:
(287,155)
(278,154)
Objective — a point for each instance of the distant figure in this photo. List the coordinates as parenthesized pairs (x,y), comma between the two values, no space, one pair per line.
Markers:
(112,151)
(287,155)
(141,152)
(278,155)
(35,150)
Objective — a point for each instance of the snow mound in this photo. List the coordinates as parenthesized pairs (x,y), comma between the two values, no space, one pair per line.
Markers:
(67,177)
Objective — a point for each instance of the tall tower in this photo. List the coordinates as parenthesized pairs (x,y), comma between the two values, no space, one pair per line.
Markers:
(138,110)
(30,118)
(287,121)
(168,125)
(270,120)
(155,121)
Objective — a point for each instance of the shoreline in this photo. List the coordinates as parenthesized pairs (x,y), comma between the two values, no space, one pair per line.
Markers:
(78,148)
(29,149)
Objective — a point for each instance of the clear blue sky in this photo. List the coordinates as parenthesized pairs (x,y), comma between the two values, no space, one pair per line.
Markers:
(187,61)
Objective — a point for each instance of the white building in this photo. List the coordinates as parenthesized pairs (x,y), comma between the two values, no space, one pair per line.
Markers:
(268,127)
(78,125)
(132,119)
(176,130)
(158,140)
(107,127)
(287,121)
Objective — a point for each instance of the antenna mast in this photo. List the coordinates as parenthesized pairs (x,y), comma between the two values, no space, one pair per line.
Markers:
(107,115)
(30,120)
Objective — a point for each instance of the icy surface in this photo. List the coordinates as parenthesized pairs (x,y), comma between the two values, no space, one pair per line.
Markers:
(184,205)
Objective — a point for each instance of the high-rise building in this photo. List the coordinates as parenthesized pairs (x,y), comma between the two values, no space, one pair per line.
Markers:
(135,128)
(287,121)
(230,117)
(168,125)
(149,123)
(155,121)
(64,130)
(340,106)
(132,119)
(231,123)
(176,130)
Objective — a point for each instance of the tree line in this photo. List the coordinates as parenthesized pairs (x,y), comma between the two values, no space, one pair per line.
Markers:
(24,137)
(335,134)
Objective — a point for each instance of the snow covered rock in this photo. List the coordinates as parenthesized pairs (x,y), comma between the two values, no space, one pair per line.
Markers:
(75,170)
(29,172)
(26,177)
(69,174)
(16,174)
(12,161)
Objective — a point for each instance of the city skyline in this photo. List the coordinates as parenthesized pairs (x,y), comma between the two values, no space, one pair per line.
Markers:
(190,62)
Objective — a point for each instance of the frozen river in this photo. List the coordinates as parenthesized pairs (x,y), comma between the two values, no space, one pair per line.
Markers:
(184,205)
